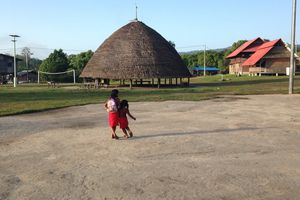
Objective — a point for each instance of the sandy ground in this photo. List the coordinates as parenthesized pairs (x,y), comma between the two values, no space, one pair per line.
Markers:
(240,147)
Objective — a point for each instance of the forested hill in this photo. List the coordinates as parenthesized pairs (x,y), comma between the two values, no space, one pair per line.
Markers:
(199,51)
(214,58)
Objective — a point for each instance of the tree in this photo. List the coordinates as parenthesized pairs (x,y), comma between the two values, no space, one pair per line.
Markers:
(234,46)
(24,64)
(32,63)
(26,54)
(56,62)
(35,64)
(79,61)
(221,63)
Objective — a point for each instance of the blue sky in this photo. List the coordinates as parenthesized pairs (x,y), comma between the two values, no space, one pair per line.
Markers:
(79,25)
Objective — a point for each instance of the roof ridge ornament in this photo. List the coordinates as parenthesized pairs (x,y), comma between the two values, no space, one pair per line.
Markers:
(136,11)
(136,14)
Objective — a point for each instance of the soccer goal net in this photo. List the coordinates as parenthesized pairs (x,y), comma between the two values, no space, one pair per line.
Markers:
(58,77)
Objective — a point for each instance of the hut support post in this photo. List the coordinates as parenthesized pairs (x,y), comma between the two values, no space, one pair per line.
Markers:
(99,82)
(188,81)
(171,81)
(152,81)
(158,83)
(141,82)
(165,81)
(120,82)
(96,83)
(130,84)
(180,81)
(176,81)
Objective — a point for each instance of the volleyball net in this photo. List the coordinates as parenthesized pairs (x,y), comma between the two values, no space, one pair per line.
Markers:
(59,77)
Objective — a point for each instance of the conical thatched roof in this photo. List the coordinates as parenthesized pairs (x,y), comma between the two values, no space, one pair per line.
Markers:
(135,51)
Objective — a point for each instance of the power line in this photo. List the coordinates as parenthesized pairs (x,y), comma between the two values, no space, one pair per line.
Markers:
(81,50)
(194,46)
(45,48)
(57,48)
(191,46)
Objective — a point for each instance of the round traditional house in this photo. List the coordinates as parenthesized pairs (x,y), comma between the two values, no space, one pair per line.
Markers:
(138,54)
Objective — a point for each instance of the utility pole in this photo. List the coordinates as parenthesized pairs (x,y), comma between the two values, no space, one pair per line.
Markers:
(204,72)
(15,60)
(292,58)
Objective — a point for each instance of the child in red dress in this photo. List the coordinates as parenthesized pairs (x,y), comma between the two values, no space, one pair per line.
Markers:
(111,107)
(123,122)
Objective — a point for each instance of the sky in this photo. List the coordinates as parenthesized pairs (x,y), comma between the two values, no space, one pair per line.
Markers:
(81,25)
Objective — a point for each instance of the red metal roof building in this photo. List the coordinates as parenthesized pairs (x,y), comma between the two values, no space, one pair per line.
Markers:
(260,57)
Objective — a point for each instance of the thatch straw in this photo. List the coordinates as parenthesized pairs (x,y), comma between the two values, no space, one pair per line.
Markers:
(135,51)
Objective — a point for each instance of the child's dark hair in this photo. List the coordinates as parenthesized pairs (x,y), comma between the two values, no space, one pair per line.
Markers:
(124,104)
(114,93)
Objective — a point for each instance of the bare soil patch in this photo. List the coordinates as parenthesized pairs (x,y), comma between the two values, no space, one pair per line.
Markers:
(234,147)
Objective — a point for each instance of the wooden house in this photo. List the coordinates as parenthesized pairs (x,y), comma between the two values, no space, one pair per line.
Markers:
(258,56)
(6,64)
(27,76)
(6,67)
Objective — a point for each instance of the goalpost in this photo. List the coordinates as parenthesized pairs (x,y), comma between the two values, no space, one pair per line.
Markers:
(57,73)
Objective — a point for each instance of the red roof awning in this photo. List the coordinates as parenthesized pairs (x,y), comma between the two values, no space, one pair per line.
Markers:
(261,52)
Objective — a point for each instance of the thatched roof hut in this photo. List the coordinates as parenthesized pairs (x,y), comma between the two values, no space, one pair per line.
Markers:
(135,51)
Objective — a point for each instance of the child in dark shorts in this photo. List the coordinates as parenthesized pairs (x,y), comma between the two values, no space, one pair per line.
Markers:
(123,121)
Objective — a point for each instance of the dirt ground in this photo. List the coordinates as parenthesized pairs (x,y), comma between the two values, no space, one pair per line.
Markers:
(235,147)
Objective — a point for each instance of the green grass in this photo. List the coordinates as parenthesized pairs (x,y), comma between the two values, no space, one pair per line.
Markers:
(33,98)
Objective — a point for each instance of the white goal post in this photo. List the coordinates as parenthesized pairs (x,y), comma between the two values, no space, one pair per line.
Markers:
(54,73)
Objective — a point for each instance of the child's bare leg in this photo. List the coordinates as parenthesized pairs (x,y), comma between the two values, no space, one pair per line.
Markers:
(114,135)
(125,132)
(129,131)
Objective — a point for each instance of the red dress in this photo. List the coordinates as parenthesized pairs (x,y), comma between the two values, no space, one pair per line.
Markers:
(113,119)
(123,122)
(113,114)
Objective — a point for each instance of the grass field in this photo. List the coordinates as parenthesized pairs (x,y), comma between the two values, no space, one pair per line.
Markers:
(33,98)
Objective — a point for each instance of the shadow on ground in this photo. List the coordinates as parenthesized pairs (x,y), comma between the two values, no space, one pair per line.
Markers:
(227,131)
